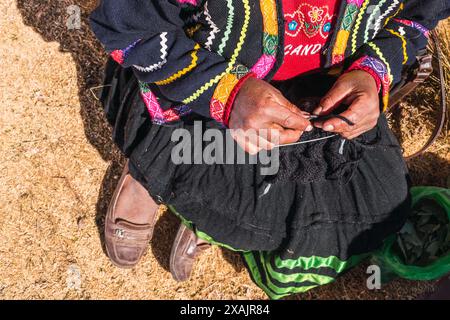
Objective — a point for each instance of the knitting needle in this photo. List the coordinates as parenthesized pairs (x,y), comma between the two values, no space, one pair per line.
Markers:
(306,141)
(310,117)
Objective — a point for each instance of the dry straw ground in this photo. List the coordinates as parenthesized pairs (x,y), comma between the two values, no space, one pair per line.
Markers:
(58,169)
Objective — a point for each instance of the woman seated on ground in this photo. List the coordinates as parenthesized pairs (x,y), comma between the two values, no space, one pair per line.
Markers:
(255,64)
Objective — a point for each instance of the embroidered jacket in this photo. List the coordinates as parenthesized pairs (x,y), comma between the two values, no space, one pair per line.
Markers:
(191,55)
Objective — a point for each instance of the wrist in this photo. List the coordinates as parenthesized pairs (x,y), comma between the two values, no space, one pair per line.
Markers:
(232,97)
(367,70)
(379,73)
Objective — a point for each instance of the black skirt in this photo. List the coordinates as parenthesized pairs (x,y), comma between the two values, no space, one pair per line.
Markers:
(236,206)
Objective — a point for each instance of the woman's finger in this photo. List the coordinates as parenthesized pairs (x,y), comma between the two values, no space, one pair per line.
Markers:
(243,142)
(250,141)
(279,135)
(356,133)
(334,97)
(288,119)
(355,114)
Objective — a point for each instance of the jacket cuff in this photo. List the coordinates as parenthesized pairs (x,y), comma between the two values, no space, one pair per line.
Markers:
(379,72)
(232,97)
(414,25)
(222,100)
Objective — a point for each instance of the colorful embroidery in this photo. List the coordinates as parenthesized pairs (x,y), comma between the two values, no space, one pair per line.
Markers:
(232,61)
(380,55)
(316,14)
(220,97)
(405,52)
(120,55)
(341,44)
(227,32)
(312,20)
(232,96)
(213,27)
(269,13)
(182,72)
(193,29)
(292,26)
(260,69)
(223,91)
(377,69)
(315,21)
(358,3)
(376,10)
(349,16)
(387,79)
(239,71)
(157,114)
(400,8)
(414,25)
(191,2)
(163,58)
(357,24)
(270,39)
(264,64)
(348,20)
(376,65)
(270,44)
(194,17)
(377,25)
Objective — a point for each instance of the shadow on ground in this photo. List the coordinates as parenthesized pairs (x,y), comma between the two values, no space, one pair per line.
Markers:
(164,235)
(49,18)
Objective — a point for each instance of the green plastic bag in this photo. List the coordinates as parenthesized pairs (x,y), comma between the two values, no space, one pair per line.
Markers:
(391,263)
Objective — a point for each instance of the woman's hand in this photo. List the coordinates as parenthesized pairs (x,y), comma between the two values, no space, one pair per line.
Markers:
(357,89)
(259,105)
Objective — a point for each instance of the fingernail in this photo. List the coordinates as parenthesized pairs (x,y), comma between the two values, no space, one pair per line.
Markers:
(328,127)
(318,110)
(309,128)
(305,114)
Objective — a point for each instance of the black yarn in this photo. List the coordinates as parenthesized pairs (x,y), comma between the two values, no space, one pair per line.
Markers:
(334,158)
(329,116)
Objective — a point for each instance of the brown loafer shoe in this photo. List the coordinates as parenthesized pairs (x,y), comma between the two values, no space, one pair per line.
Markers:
(125,241)
(186,247)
